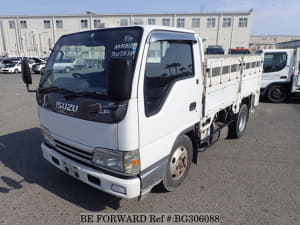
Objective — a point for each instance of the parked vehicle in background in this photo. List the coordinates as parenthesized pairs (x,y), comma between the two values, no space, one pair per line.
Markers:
(64,65)
(13,67)
(38,68)
(135,119)
(10,60)
(281,77)
(4,61)
(239,51)
(32,61)
(214,50)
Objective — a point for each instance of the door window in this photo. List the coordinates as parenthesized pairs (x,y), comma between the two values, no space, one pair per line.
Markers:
(167,63)
(274,61)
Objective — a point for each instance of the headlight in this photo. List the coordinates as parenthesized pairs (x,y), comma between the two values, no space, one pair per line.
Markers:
(47,136)
(125,162)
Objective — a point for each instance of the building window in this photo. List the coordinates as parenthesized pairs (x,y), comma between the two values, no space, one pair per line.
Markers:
(98,24)
(12,24)
(180,22)
(211,22)
(47,24)
(226,22)
(196,22)
(23,24)
(151,21)
(84,24)
(123,22)
(166,22)
(138,21)
(59,24)
(243,22)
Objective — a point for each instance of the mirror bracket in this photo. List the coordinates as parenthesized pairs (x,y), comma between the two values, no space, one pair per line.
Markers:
(29,90)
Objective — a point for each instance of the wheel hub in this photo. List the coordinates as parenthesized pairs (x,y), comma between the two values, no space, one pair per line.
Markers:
(178,163)
(276,93)
(243,120)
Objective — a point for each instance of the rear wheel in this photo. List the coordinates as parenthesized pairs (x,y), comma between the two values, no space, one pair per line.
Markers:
(277,93)
(238,126)
(16,71)
(179,163)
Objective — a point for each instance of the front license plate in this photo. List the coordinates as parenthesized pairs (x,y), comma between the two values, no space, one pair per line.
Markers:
(72,170)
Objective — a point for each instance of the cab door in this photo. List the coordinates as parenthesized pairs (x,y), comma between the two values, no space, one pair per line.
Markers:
(296,77)
(169,92)
(277,67)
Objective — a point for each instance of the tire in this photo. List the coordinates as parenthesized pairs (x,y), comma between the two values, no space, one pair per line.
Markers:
(238,126)
(277,93)
(179,163)
(67,70)
(16,71)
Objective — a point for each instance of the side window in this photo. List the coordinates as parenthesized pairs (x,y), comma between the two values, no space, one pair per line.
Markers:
(274,62)
(167,63)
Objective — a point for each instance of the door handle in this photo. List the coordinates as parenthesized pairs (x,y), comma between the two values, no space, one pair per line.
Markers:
(193,106)
(283,77)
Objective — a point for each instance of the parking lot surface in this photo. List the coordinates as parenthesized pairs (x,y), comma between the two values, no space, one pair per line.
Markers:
(252,180)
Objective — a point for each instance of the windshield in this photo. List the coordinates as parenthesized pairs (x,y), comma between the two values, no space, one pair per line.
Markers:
(79,62)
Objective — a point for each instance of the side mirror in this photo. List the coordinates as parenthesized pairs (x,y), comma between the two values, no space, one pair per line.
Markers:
(119,82)
(26,74)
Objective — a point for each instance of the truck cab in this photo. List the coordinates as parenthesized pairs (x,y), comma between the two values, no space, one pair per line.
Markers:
(103,123)
(280,74)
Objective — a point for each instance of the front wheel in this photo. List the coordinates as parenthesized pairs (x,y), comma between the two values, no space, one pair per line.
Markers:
(67,70)
(238,126)
(16,71)
(277,93)
(179,163)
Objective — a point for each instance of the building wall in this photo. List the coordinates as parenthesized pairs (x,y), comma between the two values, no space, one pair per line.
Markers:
(36,39)
(269,41)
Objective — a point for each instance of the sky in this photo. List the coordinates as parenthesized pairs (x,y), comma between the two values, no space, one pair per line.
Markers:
(270,17)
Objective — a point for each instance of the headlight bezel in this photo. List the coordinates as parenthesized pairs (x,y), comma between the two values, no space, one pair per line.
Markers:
(129,161)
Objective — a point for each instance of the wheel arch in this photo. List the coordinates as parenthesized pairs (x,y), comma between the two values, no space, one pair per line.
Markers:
(191,132)
(286,84)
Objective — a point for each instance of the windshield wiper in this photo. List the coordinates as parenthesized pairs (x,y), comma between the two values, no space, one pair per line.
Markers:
(84,94)
(55,89)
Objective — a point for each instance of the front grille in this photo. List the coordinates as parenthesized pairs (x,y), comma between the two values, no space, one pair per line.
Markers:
(73,152)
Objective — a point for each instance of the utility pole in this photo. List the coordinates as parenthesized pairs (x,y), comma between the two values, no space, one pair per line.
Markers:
(3,37)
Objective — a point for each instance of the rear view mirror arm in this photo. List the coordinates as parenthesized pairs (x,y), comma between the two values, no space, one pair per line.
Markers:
(29,90)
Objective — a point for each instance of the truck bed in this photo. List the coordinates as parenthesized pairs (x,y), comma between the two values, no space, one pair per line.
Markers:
(227,80)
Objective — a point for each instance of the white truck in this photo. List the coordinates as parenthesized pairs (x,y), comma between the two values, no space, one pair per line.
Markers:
(143,115)
(281,76)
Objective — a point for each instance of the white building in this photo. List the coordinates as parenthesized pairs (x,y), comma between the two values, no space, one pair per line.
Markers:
(35,35)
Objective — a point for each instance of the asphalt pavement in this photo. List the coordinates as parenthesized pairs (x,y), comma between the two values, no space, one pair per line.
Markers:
(252,180)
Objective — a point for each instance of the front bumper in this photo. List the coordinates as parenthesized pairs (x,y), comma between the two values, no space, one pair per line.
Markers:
(6,71)
(93,177)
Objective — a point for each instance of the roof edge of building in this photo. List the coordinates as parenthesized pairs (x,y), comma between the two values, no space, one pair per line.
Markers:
(129,14)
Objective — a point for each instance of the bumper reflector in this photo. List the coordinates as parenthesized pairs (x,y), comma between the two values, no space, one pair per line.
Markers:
(119,189)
